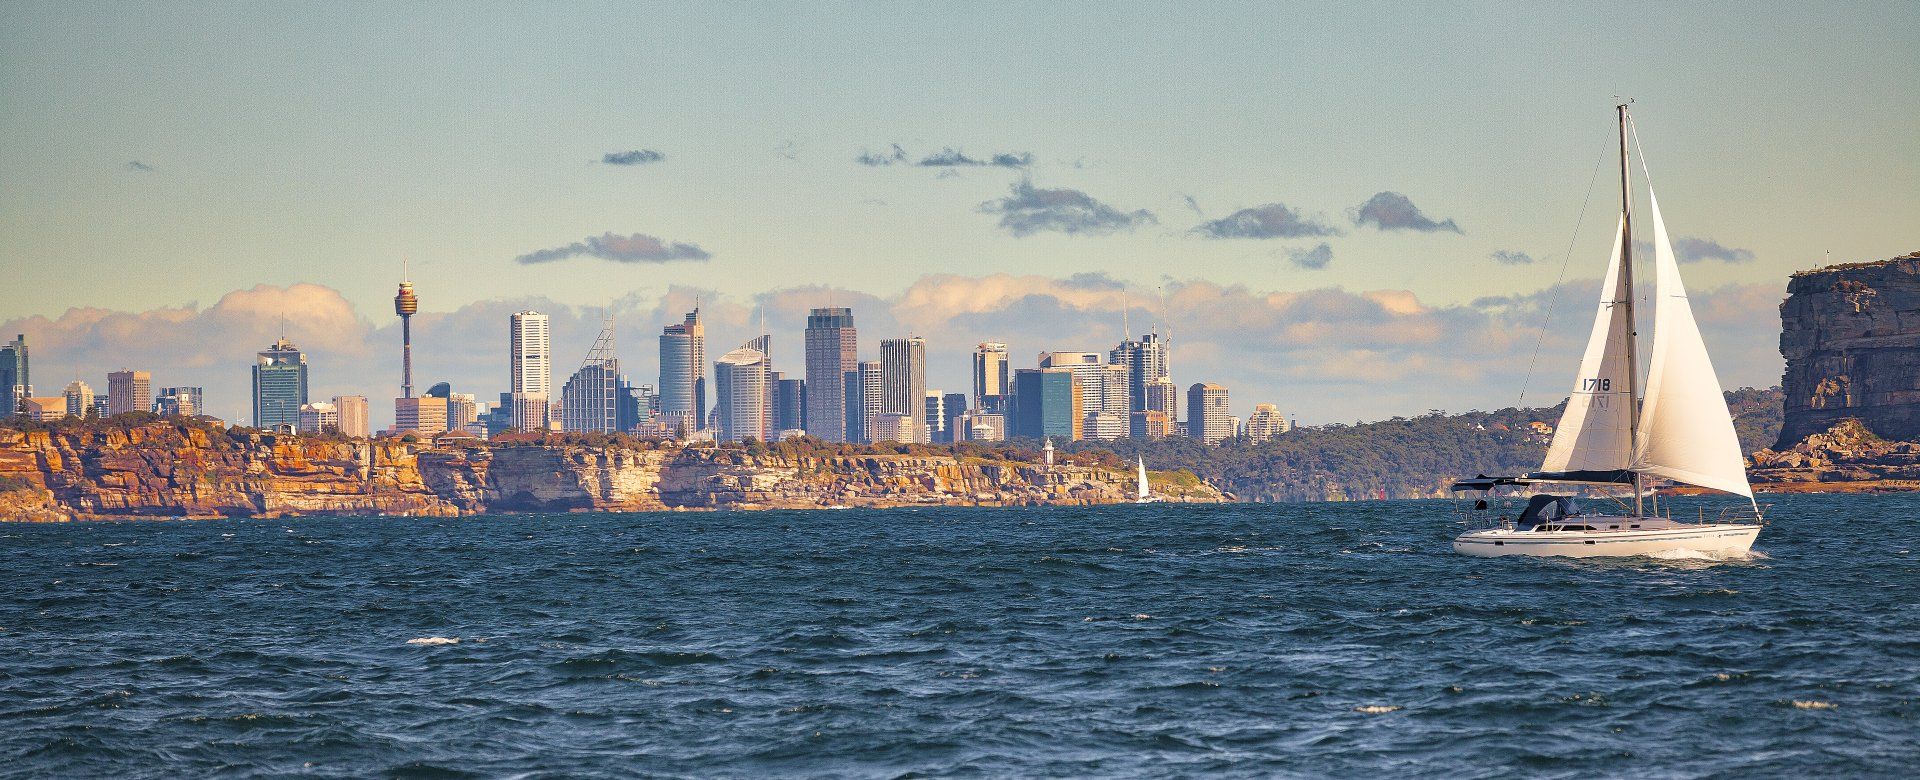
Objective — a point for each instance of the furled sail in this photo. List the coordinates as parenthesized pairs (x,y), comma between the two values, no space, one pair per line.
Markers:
(1596,430)
(1686,432)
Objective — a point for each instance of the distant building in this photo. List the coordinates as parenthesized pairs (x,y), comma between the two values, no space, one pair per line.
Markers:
(462,410)
(1164,398)
(16,383)
(740,381)
(990,378)
(953,405)
(639,406)
(866,399)
(100,407)
(1146,363)
(279,385)
(935,417)
(832,353)
(130,391)
(896,428)
(530,369)
(1116,397)
(1104,426)
(180,401)
(1089,373)
(405,304)
(425,415)
(982,426)
(790,403)
(319,417)
(1265,423)
(352,410)
(79,399)
(1150,424)
(44,409)
(590,400)
(904,375)
(1207,417)
(1046,403)
(683,373)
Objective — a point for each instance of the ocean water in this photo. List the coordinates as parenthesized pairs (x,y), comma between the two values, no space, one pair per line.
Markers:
(1259,641)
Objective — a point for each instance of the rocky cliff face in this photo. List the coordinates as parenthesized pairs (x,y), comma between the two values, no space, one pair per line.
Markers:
(1844,457)
(1851,337)
(170,470)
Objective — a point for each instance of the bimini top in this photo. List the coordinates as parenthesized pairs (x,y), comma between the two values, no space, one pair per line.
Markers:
(1484,482)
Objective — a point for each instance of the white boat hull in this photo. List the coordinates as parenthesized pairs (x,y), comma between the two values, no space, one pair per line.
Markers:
(1717,540)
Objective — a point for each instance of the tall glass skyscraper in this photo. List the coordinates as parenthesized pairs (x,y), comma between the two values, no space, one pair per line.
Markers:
(742,395)
(279,385)
(1046,403)
(530,367)
(990,376)
(904,376)
(683,374)
(15,382)
(833,350)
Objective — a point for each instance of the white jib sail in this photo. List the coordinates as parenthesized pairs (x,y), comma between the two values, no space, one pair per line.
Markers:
(1686,431)
(1142,492)
(1596,430)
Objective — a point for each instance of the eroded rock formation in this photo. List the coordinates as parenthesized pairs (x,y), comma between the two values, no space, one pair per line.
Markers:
(1851,337)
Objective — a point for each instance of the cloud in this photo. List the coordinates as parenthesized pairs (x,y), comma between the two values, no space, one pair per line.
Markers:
(636,248)
(1505,257)
(1394,211)
(875,160)
(1688,249)
(634,157)
(1273,220)
(139,167)
(1093,280)
(1029,210)
(1194,205)
(950,157)
(1315,258)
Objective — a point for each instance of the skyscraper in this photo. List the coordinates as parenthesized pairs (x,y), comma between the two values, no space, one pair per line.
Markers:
(405,304)
(832,352)
(1046,403)
(990,376)
(790,404)
(79,398)
(590,400)
(129,391)
(741,380)
(865,399)
(683,374)
(353,415)
(1146,362)
(935,418)
(1089,371)
(182,401)
(319,417)
(279,385)
(16,384)
(1162,397)
(1265,423)
(1207,417)
(954,406)
(905,377)
(530,366)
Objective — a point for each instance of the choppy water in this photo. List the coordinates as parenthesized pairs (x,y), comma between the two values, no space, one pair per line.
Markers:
(1244,640)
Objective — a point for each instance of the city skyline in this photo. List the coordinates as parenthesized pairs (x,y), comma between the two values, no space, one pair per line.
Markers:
(1376,231)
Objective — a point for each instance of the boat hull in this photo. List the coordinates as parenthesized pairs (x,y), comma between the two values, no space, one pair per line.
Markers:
(1717,540)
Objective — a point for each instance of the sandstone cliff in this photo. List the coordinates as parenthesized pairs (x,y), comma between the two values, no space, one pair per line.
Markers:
(1851,337)
(1846,457)
(167,469)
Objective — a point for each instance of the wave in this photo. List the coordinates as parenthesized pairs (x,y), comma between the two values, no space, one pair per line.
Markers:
(435,640)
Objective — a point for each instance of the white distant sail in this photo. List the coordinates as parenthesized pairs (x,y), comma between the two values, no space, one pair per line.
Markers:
(1686,431)
(1596,430)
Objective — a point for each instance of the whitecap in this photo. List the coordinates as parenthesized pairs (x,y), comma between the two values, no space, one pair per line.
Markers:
(435,640)
(1813,704)
(1376,709)
(1142,617)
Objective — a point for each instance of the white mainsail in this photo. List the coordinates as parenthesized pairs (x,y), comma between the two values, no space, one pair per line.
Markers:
(1596,430)
(1686,431)
(1141,493)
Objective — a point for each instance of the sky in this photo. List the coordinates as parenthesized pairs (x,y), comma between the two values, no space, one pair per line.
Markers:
(1352,211)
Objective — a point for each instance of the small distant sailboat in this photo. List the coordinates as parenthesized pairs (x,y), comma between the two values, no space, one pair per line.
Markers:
(1142,493)
(1613,434)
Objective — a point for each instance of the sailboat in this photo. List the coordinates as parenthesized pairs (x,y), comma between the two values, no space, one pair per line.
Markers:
(1142,495)
(1615,433)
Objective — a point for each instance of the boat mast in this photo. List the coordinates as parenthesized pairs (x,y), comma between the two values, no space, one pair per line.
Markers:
(1633,326)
